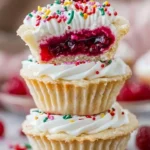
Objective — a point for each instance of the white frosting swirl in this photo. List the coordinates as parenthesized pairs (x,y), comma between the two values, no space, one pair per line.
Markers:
(88,70)
(53,28)
(77,125)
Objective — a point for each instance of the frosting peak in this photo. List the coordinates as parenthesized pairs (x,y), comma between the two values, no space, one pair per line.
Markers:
(76,71)
(77,125)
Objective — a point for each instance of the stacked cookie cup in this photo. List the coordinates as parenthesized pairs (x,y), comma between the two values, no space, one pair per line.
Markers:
(74,78)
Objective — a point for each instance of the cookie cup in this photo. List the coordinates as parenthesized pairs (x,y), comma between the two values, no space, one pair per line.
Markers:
(78,97)
(110,139)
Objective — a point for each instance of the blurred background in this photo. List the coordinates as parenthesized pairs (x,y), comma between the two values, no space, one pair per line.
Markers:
(15,100)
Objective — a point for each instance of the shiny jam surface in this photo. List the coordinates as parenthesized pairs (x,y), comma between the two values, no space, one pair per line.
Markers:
(87,42)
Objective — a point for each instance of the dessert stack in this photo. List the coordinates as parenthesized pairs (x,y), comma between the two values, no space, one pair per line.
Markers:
(74,78)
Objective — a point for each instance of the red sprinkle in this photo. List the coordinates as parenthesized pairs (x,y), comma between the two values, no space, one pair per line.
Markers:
(93,10)
(115,13)
(77,63)
(88,116)
(102,65)
(109,13)
(122,113)
(38,23)
(97,72)
(105,9)
(49,18)
(90,13)
(17,147)
(112,114)
(109,110)
(94,118)
(108,4)
(38,17)
(76,5)
(113,109)
(85,9)
(59,20)
(69,27)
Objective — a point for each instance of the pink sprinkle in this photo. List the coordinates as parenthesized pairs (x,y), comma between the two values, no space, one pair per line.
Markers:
(28,18)
(51,117)
(34,11)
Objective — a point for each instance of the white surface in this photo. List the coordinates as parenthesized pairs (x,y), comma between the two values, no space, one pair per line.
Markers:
(13,124)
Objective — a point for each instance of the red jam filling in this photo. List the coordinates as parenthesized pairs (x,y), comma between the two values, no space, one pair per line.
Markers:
(87,42)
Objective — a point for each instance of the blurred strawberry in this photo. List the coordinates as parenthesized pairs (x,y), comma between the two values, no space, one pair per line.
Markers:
(15,85)
(2,129)
(143,138)
(134,92)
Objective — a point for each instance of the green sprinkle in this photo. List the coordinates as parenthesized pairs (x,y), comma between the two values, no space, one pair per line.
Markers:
(81,14)
(109,62)
(57,2)
(66,9)
(45,119)
(71,17)
(102,11)
(30,15)
(28,146)
(36,111)
(51,4)
(58,12)
(67,117)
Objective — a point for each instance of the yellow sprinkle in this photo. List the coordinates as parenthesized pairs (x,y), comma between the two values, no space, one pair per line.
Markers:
(36,118)
(39,8)
(66,3)
(106,3)
(85,16)
(47,12)
(70,3)
(43,17)
(71,121)
(102,115)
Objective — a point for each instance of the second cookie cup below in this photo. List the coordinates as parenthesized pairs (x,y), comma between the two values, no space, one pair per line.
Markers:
(79,97)
(110,139)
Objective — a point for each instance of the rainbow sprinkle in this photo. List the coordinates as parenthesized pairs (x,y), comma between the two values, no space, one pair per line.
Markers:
(85,9)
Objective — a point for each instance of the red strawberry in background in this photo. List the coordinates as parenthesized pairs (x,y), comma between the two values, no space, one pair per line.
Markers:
(2,129)
(15,85)
(133,91)
(143,138)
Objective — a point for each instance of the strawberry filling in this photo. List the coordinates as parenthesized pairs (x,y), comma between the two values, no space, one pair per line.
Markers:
(87,42)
